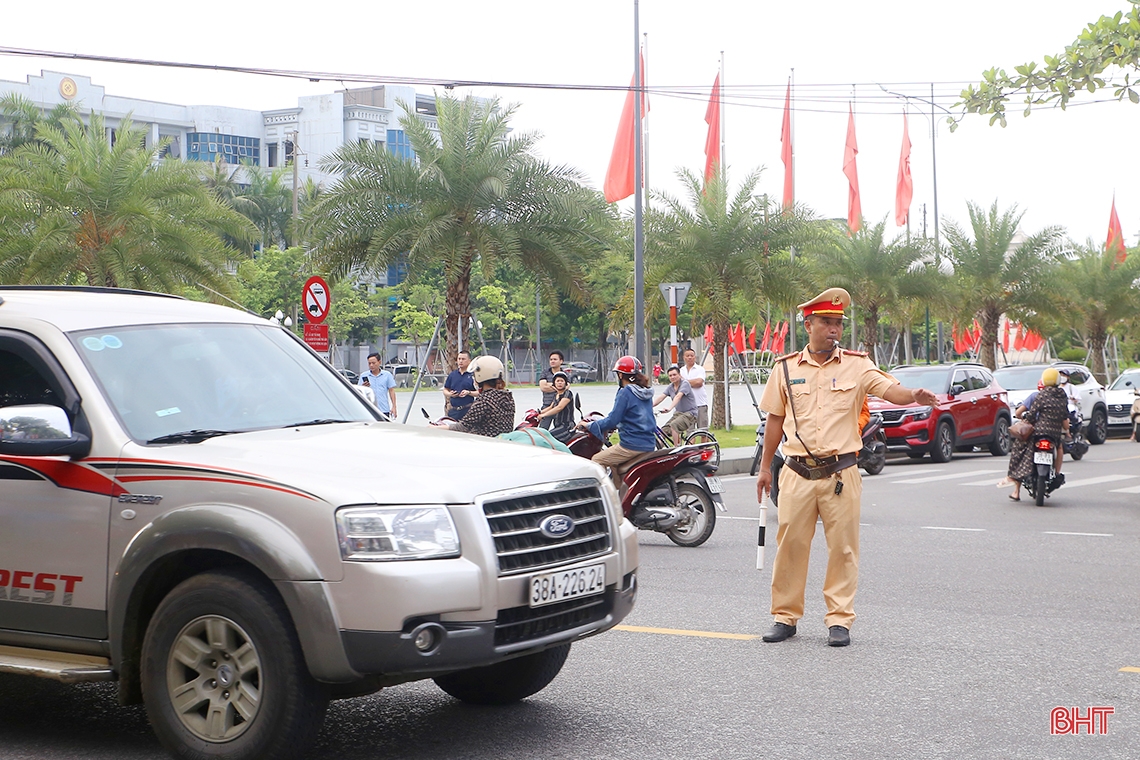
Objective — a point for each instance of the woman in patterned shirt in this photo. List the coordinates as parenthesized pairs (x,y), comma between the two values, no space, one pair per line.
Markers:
(1049,413)
(493,412)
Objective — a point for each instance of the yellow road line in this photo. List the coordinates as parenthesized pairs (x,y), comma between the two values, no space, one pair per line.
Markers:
(1130,670)
(680,632)
(1122,459)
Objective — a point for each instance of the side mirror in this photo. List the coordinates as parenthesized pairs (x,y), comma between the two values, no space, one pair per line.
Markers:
(957,390)
(39,430)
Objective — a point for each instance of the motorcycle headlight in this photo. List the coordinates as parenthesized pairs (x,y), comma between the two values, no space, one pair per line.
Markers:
(378,534)
(920,413)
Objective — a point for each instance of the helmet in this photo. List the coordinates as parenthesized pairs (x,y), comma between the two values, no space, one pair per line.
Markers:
(628,365)
(1049,377)
(486,368)
(562,375)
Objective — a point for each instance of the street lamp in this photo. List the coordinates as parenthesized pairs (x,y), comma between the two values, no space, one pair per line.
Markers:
(279,318)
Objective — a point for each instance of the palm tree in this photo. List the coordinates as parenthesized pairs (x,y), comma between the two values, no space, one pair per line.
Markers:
(475,195)
(75,209)
(1098,295)
(994,275)
(23,117)
(725,248)
(882,277)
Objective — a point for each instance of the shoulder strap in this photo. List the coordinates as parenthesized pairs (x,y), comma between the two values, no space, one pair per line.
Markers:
(792,404)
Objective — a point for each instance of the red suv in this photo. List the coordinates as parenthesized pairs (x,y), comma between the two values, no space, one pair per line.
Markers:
(971,411)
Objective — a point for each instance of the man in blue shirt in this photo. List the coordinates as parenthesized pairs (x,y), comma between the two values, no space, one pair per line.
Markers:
(459,388)
(382,383)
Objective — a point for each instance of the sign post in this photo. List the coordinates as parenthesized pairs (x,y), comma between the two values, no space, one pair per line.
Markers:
(316,299)
(674,294)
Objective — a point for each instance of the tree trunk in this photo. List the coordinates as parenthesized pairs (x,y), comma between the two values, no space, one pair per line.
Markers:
(456,308)
(1098,336)
(720,372)
(871,333)
(991,316)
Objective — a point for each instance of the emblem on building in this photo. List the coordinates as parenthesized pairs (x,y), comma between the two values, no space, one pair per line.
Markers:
(67,88)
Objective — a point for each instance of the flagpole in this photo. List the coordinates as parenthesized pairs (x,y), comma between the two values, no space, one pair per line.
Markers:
(638,221)
(934,166)
(720,107)
(645,131)
(792,250)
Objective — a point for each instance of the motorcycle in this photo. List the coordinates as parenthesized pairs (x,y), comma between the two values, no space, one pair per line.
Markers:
(1043,479)
(1077,445)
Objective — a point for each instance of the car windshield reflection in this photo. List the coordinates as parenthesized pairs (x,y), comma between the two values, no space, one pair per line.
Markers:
(936,379)
(1125,382)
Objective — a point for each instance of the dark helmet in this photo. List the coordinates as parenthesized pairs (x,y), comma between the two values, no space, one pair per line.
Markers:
(562,375)
(628,365)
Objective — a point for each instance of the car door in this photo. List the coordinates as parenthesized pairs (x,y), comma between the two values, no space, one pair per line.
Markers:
(988,399)
(54,512)
(961,407)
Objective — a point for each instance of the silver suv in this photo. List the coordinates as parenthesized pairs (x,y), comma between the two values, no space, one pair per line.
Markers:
(1019,380)
(197,506)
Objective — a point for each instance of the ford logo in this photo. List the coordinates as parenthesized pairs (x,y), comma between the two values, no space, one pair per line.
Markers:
(556,526)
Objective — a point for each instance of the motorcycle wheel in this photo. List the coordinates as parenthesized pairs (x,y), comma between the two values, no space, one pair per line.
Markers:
(1077,451)
(875,464)
(698,530)
(1136,433)
(1039,483)
(755,469)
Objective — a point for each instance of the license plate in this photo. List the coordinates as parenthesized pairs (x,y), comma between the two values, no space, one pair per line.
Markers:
(1042,457)
(559,586)
(1118,421)
(714,484)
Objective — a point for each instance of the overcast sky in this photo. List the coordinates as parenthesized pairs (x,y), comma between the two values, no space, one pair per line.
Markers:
(1059,167)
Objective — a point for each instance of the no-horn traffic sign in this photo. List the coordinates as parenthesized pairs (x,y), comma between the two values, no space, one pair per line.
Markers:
(316,299)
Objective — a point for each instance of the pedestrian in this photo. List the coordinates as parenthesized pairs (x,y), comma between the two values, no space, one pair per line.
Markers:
(1048,411)
(493,411)
(546,383)
(382,383)
(814,397)
(632,415)
(459,388)
(695,374)
(561,409)
(680,395)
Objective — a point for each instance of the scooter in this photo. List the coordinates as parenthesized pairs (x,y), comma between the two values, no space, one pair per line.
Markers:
(1043,479)
(1077,446)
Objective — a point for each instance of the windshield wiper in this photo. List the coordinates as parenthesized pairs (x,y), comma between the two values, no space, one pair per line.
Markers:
(328,421)
(190,436)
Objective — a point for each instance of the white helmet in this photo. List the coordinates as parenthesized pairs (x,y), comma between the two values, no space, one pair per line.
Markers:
(486,368)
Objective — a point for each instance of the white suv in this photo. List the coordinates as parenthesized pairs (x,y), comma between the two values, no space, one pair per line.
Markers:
(1019,380)
(197,506)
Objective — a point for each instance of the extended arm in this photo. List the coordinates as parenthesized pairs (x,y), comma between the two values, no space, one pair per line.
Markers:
(897,394)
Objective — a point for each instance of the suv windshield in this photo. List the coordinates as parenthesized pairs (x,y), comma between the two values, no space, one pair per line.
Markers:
(935,379)
(1127,381)
(163,380)
(1018,378)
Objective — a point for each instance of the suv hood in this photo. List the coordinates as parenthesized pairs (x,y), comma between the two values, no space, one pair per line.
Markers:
(373,462)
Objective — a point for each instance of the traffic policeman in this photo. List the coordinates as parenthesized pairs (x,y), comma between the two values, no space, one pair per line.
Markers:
(813,397)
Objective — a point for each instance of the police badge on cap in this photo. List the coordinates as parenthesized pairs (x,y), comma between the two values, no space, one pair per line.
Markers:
(830,303)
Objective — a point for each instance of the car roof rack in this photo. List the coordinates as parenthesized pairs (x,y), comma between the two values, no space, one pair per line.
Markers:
(89,289)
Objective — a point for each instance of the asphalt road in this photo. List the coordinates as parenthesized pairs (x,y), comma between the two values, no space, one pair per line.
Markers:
(977,616)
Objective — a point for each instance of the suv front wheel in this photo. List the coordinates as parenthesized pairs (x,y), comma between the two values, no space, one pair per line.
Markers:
(942,448)
(999,446)
(1098,426)
(223,673)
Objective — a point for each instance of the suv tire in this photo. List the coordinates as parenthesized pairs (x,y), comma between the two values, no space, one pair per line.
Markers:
(1098,426)
(506,682)
(999,445)
(222,628)
(942,447)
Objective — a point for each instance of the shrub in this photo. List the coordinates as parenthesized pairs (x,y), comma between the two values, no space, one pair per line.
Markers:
(1072,355)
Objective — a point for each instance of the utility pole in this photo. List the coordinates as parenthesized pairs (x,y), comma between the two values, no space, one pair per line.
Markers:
(296,179)
(638,222)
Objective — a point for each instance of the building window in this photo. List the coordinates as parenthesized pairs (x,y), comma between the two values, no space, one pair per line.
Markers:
(272,148)
(288,152)
(233,149)
(399,145)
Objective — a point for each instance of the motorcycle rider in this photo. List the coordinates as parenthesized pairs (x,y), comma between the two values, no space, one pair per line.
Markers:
(1074,400)
(1049,413)
(493,412)
(632,415)
(560,410)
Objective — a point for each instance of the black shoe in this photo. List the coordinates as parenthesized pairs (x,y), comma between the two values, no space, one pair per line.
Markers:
(838,636)
(779,632)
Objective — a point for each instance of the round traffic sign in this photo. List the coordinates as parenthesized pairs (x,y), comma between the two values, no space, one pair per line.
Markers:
(316,299)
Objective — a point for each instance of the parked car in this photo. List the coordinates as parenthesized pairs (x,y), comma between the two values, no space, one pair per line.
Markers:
(405,375)
(971,411)
(1019,380)
(233,546)
(581,372)
(1118,399)
(349,375)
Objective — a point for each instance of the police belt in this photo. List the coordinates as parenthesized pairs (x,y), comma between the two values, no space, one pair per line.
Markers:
(819,468)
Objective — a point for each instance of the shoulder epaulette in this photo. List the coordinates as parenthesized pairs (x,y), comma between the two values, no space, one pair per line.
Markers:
(786,356)
(855,353)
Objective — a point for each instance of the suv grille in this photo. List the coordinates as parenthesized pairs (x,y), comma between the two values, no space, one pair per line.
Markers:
(892,415)
(515,519)
(520,624)
(1118,408)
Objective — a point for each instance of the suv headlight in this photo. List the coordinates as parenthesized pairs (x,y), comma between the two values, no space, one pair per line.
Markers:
(377,534)
(920,413)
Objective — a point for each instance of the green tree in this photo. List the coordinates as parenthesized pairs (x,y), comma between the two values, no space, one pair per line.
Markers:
(272,281)
(1110,44)
(881,276)
(21,118)
(497,313)
(1098,296)
(475,195)
(995,275)
(268,202)
(75,209)
(724,247)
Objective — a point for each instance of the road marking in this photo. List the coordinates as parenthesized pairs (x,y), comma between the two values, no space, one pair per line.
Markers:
(986,482)
(916,469)
(730,517)
(680,632)
(1133,489)
(1096,481)
(1068,533)
(939,527)
(1130,670)
(951,476)
(729,478)
(1122,459)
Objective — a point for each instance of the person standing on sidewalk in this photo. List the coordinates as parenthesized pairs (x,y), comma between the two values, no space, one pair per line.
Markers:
(695,375)
(814,397)
(459,388)
(383,385)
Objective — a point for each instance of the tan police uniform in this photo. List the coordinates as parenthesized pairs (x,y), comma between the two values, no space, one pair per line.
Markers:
(827,396)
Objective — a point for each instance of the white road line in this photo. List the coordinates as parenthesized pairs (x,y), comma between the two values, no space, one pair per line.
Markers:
(730,517)
(1133,489)
(1066,533)
(939,527)
(988,482)
(917,469)
(1095,481)
(730,478)
(951,476)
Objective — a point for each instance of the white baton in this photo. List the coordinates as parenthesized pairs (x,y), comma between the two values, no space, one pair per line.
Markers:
(763,525)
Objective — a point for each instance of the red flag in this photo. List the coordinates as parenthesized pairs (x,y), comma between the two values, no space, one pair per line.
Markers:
(1033,341)
(739,338)
(957,339)
(779,349)
(709,334)
(730,340)
(904,185)
(850,151)
(619,182)
(1019,338)
(752,338)
(712,140)
(765,344)
(1115,240)
(786,154)
(976,338)
(1005,338)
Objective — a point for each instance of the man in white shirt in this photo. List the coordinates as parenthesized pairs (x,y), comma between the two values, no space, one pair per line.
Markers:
(695,375)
